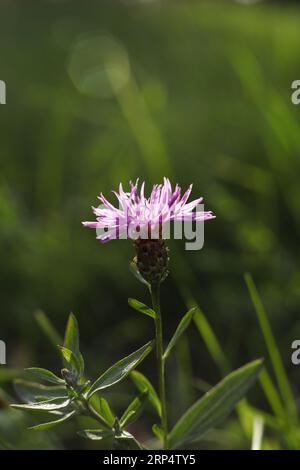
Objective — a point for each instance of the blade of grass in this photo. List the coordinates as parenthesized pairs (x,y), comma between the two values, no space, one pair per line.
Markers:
(47,327)
(272,348)
(211,340)
(184,389)
(272,394)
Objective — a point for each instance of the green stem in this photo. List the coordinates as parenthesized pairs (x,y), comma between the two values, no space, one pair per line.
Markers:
(93,414)
(155,295)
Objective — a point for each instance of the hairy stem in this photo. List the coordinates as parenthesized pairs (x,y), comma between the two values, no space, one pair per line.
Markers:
(155,295)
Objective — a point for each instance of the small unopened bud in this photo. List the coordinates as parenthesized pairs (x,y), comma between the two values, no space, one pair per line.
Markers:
(152,259)
(69,377)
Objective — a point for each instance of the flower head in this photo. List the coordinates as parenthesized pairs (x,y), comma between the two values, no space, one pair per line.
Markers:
(141,217)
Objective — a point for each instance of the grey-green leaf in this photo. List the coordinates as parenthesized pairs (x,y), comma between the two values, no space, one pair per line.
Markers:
(126,441)
(72,340)
(216,404)
(32,392)
(52,424)
(183,324)
(45,375)
(106,411)
(134,410)
(143,384)
(95,434)
(70,360)
(140,307)
(120,370)
(47,405)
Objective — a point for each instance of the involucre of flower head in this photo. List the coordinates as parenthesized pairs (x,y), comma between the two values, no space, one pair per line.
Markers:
(138,217)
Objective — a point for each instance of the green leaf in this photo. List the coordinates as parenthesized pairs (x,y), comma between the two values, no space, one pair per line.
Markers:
(71,341)
(158,432)
(126,441)
(134,410)
(120,370)
(272,346)
(95,434)
(45,375)
(140,307)
(106,411)
(143,384)
(71,361)
(216,404)
(52,424)
(183,324)
(47,405)
(32,392)
(133,268)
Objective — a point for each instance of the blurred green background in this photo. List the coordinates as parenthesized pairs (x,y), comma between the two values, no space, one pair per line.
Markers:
(104,92)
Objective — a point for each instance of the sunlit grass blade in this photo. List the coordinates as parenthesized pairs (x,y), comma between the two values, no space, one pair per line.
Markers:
(272,394)
(258,432)
(281,377)
(47,327)
(211,341)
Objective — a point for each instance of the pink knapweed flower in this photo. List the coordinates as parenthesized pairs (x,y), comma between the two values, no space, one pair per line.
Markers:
(138,216)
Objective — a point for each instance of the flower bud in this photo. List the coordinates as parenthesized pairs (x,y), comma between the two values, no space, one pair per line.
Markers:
(152,259)
(69,377)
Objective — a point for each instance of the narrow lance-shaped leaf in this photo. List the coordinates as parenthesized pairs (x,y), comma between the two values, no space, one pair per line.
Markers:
(140,307)
(106,411)
(72,341)
(143,384)
(71,361)
(120,370)
(32,392)
(47,405)
(184,323)
(216,404)
(134,410)
(51,424)
(45,375)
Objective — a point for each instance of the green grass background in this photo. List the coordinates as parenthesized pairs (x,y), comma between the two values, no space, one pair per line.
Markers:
(100,93)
